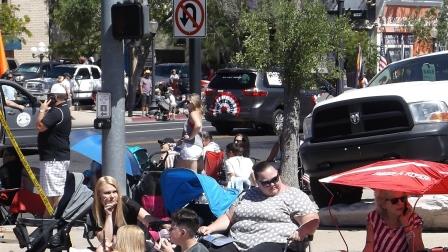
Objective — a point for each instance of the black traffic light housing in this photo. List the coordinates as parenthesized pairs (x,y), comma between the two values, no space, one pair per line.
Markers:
(127,21)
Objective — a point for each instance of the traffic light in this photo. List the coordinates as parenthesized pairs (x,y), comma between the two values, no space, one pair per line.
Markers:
(127,21)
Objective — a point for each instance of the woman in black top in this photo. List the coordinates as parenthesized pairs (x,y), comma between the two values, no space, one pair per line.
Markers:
(111,211)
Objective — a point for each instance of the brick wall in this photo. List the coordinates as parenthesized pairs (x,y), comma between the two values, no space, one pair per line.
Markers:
(38,12)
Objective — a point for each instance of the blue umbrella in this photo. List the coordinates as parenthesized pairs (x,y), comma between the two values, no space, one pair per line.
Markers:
(89,144)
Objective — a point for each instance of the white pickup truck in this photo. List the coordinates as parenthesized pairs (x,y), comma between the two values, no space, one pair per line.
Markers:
(86,79)
(403,113)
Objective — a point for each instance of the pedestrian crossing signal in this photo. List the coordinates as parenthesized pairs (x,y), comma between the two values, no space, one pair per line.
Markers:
(127,21)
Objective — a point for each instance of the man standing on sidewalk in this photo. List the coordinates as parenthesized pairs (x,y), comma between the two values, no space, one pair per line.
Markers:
(145,91)
(54,126)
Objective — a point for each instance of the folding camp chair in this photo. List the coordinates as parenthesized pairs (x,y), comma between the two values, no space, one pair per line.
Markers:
(213,164)
(23,201)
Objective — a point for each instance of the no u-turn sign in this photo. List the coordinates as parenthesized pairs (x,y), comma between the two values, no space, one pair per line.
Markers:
(190,18)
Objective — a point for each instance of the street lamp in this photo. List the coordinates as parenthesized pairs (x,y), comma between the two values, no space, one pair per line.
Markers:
(40,52)
(433,32)
(153,26)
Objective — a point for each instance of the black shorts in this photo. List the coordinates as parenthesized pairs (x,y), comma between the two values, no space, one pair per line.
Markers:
(145,100)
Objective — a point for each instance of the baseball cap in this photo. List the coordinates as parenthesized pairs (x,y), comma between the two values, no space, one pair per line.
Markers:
(57,89)
(166,140)
(147,71)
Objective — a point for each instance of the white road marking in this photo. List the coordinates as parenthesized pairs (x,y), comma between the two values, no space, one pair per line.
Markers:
(159,130)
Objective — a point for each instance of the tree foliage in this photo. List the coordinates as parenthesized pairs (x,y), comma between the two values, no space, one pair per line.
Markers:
(421,25)
(296,39)
(11,25)
(80,25)
(369,51)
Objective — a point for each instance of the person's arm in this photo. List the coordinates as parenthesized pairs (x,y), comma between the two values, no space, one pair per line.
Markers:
(308,225)
(106,236)
(145,218)
(220,224)
(13,104)
(273,152)
(412,225)
(41,127)
(369,238)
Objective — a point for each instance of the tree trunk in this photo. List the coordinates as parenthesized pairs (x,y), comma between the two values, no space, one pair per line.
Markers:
(290,134)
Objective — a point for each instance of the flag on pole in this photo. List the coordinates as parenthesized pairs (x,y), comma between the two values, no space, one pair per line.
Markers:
(382,60)
(359,65)
(3,61)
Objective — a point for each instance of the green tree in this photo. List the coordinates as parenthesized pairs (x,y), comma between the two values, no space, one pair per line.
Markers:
(442,25)
(297,38)
(12,26)
(421,26)
(79,23)
(369,51)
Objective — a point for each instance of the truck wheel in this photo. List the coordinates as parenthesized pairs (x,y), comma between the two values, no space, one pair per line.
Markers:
(223,128)
(342,194)
(277,121)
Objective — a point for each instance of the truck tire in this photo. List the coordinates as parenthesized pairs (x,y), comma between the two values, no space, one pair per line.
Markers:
(223,128)
(342,194)
(277,121)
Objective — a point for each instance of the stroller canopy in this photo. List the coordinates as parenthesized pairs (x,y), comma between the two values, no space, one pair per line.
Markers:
(180,186)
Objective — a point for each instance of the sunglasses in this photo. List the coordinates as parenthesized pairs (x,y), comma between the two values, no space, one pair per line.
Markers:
(394,201)
(267,183)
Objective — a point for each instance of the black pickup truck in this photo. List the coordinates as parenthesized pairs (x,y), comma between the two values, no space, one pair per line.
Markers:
(22,123)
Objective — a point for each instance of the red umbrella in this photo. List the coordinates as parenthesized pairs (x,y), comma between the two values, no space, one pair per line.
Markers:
(415,177)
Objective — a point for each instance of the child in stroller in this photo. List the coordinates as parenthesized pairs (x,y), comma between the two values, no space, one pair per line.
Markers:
(160,106)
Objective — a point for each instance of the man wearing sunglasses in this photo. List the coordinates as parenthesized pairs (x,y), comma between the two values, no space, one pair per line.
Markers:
(265,217)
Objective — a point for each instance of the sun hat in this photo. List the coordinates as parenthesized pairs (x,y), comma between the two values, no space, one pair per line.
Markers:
(57,89)
(147,71)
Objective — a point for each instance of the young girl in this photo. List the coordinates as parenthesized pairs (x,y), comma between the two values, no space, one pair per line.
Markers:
(130,238)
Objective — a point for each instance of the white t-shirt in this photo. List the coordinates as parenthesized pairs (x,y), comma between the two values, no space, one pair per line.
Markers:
(240,166)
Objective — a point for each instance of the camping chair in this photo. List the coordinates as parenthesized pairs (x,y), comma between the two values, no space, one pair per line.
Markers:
(213,164)
(23,201)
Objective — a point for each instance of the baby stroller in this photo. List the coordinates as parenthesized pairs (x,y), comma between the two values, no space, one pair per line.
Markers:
(54,233)
(159,108)
(184,188)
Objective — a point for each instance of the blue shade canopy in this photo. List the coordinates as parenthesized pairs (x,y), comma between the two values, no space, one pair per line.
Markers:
(89,144)
(180,186)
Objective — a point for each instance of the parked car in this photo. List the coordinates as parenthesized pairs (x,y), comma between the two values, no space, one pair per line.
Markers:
(163,71)
(401,114)
(21,123)
(31,70)
(87,78)
(246,98)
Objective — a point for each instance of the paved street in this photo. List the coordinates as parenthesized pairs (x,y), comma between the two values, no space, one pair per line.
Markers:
(146,134)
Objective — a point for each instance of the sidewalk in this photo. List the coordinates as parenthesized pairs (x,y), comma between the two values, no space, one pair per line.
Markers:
(85,118)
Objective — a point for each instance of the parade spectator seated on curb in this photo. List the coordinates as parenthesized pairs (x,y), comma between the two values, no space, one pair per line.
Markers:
(111,210)
(266,216)
(393,226)
(238,169)
(183,229)
(130,238)
(208,143)
(243,139)
(167,145)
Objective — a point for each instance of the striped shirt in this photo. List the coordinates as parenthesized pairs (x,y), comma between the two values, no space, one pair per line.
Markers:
(390,239)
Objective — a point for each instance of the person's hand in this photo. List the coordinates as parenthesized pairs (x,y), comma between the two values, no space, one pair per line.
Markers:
(21,107)
(296,235)
(45,105)
(406,215)
(204,230)
(186,136)
(163,246)
(109,208)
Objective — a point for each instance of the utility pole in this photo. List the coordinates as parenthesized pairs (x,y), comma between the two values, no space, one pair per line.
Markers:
(340,84)
(113,82)
(195,65)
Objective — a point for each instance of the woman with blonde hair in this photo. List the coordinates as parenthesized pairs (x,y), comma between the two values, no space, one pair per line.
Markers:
(130,238)
(393,226)
(191,147)
(111,210)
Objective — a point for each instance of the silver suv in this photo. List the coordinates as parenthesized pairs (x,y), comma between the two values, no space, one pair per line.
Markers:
(246,98)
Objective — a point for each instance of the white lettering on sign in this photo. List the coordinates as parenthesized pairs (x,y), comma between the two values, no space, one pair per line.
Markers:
(407,174)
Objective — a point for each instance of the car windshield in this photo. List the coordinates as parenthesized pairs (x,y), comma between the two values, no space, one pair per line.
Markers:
(60,70)
(233,80)
(430,68)
(28,68)
(165,70)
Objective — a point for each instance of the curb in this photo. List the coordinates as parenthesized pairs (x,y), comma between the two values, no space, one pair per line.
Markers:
(139,119)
